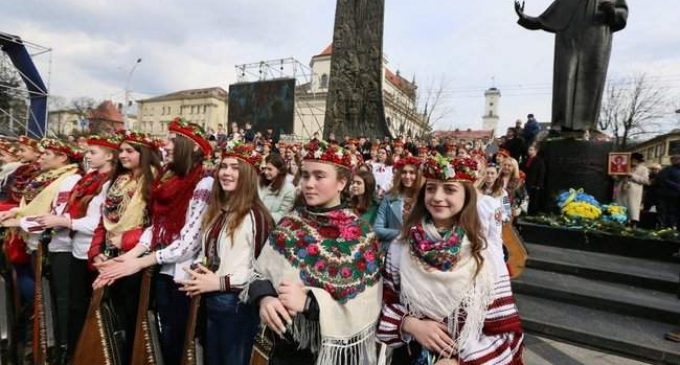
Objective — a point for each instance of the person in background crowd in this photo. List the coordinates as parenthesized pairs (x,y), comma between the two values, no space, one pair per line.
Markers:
(444,287)
(276,191)
(531,130)
(398,202)
(321,301)
(362,192)
(292,162)
(668,190)
(649,200)
(10,163)
(423,152)
(489,187)
(512,181)
(221,134)
(534,168)
(235,227)
(628,190)
(383,171)
(500,156)
(80,218)
(249,133)
(514,144)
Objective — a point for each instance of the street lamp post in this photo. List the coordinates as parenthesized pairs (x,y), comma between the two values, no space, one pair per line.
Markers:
(127,93)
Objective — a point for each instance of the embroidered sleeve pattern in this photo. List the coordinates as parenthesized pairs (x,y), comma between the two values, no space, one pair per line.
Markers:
(188,244)
(393,312)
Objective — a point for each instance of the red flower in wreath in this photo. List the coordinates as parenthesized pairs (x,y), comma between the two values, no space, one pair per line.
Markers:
(332,271)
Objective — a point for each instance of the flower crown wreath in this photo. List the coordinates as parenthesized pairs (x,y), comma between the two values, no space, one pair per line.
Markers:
(192,131)
(140,139)
(61,147)
(110,142)
(30,142)
(243,151)
(408,160)
(451,169)
(324,152)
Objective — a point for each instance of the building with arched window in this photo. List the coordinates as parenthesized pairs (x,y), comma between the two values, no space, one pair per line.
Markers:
(399,97)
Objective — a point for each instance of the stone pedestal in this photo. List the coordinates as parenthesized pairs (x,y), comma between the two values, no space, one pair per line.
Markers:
(576,164)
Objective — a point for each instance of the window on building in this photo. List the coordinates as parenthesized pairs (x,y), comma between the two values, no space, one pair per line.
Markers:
(324,81)
(673,147)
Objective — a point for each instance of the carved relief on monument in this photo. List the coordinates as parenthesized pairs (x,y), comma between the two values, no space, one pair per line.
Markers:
(355,86)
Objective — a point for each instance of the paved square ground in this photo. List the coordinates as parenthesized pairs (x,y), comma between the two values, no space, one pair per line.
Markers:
(543,351)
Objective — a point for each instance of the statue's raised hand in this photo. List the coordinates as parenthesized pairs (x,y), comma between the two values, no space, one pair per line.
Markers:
(519,8)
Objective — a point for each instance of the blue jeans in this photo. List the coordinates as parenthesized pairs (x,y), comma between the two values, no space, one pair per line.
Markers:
(172,306)
(230,331)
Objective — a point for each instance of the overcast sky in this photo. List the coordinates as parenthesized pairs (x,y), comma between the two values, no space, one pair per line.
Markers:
(192,44)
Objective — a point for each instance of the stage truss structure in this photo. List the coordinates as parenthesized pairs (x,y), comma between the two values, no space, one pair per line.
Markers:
(306,99)
(15,118)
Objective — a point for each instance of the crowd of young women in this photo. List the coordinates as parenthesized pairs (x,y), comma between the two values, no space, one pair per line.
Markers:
(335,256)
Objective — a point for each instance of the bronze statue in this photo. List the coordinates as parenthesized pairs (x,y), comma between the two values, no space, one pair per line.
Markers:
(583,42)
(354,103)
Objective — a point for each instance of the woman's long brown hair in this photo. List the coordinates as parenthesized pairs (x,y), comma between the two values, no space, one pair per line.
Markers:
(238,203)
(361,203)
(275,185)
(467,218)
(398,189)
(150,165)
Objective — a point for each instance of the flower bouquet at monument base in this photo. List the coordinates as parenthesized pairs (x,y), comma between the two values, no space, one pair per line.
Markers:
(579,210)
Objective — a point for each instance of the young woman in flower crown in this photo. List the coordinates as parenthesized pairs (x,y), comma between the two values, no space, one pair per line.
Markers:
(125,214)
(276,191)
(78,221)
(48,194)
(397,203)
(180,197)
(28,151)
(235,227)
(317,282)
(444,294)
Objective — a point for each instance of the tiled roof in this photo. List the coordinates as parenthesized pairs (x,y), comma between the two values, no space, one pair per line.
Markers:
(106,111)
(468,134)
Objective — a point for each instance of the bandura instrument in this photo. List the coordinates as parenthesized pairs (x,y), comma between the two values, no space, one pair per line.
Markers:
(190,352)
(100,341)
(517,253)
(147,348)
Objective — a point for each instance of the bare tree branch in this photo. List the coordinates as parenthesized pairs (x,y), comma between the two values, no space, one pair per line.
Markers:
(632,109)
(430,101)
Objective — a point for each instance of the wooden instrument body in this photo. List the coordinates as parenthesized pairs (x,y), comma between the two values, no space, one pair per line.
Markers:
(146,349)
(517,253)
(262,348)
(97,343)
(189,353)
(43,324)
